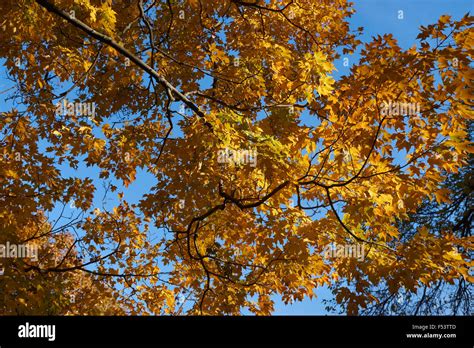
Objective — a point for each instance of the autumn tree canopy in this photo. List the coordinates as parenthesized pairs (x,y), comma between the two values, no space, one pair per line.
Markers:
(260,159)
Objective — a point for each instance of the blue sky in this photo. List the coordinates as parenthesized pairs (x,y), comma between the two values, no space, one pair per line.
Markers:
(377,17)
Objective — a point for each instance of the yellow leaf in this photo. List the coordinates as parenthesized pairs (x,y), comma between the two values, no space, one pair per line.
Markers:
(442,195)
